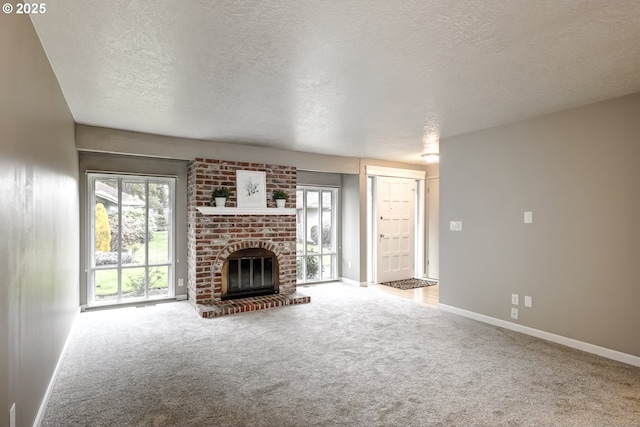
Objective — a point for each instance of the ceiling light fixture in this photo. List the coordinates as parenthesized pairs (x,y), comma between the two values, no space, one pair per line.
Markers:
(431,157)
(431,143)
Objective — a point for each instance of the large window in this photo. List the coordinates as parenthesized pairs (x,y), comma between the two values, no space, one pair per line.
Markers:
(317,246)
(131,256)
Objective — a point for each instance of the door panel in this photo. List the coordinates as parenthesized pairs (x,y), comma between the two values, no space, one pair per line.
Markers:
(395,204)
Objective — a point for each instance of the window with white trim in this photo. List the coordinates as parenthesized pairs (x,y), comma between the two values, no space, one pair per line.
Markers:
(317,234)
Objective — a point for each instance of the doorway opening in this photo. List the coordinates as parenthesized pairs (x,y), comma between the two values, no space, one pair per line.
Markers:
(395,224)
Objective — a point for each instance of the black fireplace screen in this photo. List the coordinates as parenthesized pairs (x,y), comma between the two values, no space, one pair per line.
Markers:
(250,275)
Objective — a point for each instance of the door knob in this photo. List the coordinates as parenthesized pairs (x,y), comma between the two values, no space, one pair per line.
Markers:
(381,236)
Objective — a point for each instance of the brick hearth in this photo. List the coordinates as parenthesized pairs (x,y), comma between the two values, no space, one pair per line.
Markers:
(222,308)
(212,238)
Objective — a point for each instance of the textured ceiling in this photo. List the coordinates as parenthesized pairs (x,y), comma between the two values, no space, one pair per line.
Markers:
(365,78)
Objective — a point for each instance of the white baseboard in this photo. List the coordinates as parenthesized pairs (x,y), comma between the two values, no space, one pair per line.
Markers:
(52,381)
(559,339)
(353,282)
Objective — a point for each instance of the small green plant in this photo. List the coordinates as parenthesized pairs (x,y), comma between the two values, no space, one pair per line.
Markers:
(312,267)
(280,195)
(220,192)
(136,282)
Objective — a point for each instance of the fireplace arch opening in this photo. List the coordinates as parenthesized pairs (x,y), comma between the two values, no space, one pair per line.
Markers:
(250,272)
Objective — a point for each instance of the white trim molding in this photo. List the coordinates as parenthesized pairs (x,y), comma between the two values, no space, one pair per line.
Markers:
(558,339)
(208,210)
(395,173)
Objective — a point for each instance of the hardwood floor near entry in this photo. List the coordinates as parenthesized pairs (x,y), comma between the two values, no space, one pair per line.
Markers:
(429,295)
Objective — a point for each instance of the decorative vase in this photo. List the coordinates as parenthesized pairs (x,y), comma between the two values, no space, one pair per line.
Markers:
(281,202)
(220,202)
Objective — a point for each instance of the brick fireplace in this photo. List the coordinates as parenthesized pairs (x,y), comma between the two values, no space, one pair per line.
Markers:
(214,238)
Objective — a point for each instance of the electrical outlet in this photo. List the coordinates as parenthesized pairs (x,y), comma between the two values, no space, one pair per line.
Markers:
(515,299)
(12,416)
(180,282)
(528,301)
(514,313)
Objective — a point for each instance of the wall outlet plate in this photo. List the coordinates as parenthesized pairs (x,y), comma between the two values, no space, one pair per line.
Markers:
(515,299)
(528,301)
(455,225)
(528,217)
(514,313)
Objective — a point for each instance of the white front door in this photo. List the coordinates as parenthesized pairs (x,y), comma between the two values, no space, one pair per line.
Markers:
(395,222)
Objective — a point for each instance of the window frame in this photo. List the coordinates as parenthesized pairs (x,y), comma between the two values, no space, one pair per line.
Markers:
(301,220)
(91,268)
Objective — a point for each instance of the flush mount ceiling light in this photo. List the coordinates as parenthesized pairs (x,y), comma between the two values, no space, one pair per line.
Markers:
(431,157)
(431,143)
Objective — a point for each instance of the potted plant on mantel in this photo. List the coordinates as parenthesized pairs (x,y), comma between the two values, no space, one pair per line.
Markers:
(280,196)
(219,196)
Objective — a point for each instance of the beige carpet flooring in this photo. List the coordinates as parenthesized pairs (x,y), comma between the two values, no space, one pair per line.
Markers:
(352,357)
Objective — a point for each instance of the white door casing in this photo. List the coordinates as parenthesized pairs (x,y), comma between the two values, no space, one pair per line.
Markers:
(433,270)
(395,223)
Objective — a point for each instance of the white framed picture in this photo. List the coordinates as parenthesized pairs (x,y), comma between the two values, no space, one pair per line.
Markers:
(252,189)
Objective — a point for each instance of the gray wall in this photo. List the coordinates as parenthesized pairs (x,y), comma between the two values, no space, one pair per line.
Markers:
(39,216)
(99,162)
(578,172)
(97,139)
(319,179)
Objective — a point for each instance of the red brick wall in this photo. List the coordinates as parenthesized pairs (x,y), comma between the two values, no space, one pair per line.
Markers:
(212,238)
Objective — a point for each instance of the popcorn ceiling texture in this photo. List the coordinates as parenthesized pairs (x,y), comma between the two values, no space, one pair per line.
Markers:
(360,78)
(212,238)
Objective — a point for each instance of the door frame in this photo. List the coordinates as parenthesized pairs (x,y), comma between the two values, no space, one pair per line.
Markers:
(433,230)
(420,177)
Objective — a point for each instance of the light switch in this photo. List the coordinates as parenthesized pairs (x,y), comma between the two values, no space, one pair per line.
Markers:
(528,301)
(528,217)
(455,225)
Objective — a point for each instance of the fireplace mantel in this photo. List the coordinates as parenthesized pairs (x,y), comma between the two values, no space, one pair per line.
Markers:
(209,210)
